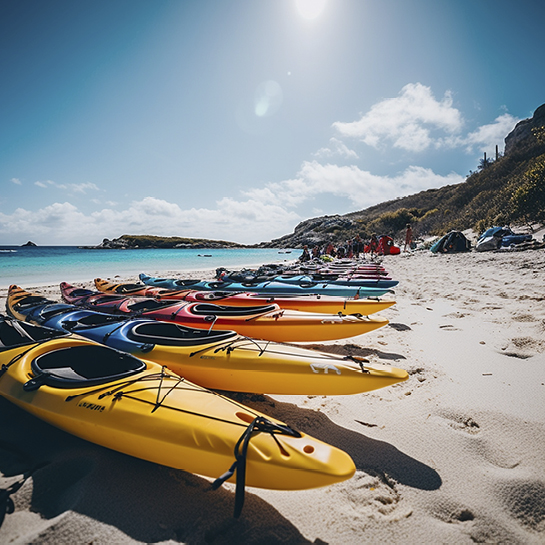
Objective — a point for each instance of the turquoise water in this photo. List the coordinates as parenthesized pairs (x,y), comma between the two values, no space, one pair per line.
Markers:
(31,266)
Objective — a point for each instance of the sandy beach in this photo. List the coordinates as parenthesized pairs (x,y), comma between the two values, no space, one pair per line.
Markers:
(454,455)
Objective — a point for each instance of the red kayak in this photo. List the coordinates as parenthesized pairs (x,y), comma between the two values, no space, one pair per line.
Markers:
(268,322)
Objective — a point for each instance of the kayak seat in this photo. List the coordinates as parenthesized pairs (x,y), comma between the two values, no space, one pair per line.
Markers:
(218,310)
(80,292)
(186,282)
(31,301)
(82,366)
(49,311)
(93,320)
(127,288)
(151,304)
(107,298)
(166,333)
(14,333)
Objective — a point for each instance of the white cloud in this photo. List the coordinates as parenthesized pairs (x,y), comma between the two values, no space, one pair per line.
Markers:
(361,187)
(71,188)
(336,147)
(407,121)
(247,221)
(16,181)
(487,137)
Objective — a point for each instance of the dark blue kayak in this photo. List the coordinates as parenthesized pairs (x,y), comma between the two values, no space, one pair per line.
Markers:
(269,288)
(136,336)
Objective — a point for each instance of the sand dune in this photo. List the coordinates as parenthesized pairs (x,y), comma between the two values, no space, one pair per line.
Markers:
(454,455)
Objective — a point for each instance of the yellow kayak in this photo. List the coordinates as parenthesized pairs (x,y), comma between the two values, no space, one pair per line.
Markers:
(215,359)
(139,408)
(323,304)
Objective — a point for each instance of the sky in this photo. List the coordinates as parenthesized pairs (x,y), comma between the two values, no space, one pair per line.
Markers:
(235,120)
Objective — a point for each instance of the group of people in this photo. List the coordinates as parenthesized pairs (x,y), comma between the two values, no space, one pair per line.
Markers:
(353,248)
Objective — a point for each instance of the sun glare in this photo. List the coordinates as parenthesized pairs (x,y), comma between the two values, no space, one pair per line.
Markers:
(268,98)
(310,9)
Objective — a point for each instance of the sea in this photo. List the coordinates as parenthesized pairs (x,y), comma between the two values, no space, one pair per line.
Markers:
(29,266)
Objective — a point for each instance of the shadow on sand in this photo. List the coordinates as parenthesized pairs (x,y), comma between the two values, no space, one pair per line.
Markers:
(370,455)
(152,503)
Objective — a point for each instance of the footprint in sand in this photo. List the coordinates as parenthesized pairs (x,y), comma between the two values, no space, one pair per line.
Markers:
(523,347)
(450,511)
(524,499)
(461,422)
(375,496)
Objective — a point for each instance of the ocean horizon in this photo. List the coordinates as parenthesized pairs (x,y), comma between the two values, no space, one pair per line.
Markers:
(41,265)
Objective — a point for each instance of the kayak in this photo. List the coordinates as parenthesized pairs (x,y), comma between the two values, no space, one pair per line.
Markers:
(215,359)
(268,322)
(325,304)
(338,280)
(272,288)
(313,276)
(137,407)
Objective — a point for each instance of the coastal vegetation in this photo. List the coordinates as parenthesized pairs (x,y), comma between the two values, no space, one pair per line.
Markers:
(150,241)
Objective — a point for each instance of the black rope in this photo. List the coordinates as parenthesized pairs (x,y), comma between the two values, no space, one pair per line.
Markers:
(110,333)
(230,346)
(180,308)
(360,361)
(7,507)
(259,423)
(159,402)
(17,357)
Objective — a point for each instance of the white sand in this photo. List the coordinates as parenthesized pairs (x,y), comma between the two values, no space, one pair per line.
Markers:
(454,455)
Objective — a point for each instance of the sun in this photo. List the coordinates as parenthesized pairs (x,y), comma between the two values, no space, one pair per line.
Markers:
(310,9)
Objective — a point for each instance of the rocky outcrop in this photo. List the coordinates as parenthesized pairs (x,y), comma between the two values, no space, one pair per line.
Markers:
(29,243)
(314,232)
(525,129)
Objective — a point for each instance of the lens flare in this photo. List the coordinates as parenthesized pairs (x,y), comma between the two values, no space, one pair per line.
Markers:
(268,98)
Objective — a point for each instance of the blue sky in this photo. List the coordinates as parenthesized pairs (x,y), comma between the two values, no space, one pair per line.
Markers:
(238,119)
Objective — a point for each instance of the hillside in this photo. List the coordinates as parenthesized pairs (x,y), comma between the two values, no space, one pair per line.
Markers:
(508,190)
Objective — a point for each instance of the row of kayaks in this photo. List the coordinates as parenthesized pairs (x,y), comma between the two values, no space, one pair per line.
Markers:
(211,355)
(363,275)
(277,286)
(136,369)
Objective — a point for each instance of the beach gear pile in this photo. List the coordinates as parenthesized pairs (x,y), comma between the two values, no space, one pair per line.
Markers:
(501,238)
(138,368)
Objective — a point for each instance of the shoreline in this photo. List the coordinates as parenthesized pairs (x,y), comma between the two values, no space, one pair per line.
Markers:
(453,455)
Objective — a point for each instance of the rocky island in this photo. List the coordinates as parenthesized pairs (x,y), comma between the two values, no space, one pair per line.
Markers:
(128,242)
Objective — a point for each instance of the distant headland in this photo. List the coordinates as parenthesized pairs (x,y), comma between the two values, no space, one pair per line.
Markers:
(131,242)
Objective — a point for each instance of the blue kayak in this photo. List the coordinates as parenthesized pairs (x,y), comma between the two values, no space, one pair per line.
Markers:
(272,288)
(135,336)
(351,282)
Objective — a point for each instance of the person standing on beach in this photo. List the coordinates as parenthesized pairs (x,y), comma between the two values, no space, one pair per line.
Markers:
(408,237)
(305,256)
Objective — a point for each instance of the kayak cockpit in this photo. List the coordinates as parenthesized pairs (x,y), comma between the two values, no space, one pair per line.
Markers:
(219,310)
(15,333)
(166,333)
(82,366)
